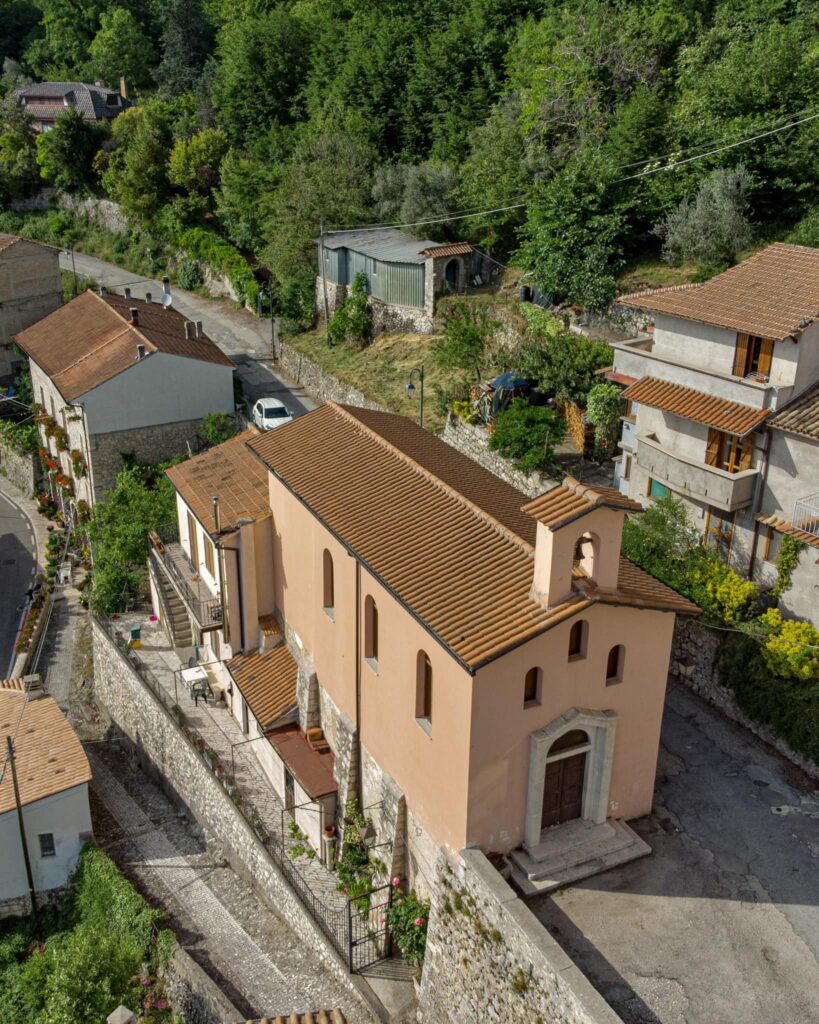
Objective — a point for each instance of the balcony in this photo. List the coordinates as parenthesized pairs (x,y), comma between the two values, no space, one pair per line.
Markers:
(806,515)
(169,558)
(691,479)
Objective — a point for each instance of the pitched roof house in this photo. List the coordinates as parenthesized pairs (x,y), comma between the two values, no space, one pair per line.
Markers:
(120,375)
(52,775)
(45,101)
(722,409)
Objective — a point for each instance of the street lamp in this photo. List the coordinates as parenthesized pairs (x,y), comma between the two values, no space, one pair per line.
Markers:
(410,388)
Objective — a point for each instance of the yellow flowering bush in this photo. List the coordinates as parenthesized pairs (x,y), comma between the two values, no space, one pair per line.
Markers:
(722,593)
(791,648)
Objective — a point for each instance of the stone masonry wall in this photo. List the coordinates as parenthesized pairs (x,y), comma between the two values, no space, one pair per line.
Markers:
(693,662)
(193,996)
(148,444)
(473,441)
(164,753)
(324,387)
(490,961)
(22,470)
(103,212)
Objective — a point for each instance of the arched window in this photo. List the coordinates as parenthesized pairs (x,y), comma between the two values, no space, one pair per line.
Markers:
(578,636)
(586,551)
(328,583)
(614,664)
(531,687)
(371,631)
(423,690)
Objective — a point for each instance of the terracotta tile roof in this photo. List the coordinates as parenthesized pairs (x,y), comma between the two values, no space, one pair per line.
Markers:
(571,499)
(229,470)
(445,536)
(774,294)
(48,755)
(455,249)
(312,769)
(92,339)
(786,526)
(269,625)
(315,1017)
(690,404)
(800,415)
(89,100)
(267,682)
(617,377)
(12,684)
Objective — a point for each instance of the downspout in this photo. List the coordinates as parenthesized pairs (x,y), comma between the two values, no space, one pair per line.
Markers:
(359,773)
(759,490)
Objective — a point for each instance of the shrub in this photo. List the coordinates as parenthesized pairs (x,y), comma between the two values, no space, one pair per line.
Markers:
(218,427)
(720,592)
(408,919)
(527,433)
(466,332)
(789,551)
(791,647)
(604,407)
(207,247)
(189,275)
(352,322)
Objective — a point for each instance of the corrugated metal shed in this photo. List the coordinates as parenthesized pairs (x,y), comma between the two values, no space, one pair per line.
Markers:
(389,245)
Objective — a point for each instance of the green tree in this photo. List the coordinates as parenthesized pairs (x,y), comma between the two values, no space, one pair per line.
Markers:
(121,47)
(67,26)
(187,41)
(527,434)
(409,193)
(352,322)
(218,427)
(194,163)
(604,408)
(564,365)
(462,346)
(243,198)
(137,172)
(66,152)
(19,173)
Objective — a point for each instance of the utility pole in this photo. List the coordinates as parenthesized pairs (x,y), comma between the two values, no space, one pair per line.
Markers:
(323,269)
(21,824)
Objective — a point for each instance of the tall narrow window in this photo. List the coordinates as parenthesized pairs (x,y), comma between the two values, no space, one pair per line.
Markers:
(423,690)
(614,665)
(192,543)
(371,632)
(328,583)
(577,640)
(208,546)
(531,687)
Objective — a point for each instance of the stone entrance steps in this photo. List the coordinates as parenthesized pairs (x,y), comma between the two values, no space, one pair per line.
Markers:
(174,614)
(574,851)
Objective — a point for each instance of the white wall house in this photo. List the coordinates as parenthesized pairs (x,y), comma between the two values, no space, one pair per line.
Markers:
(121,377)
(53,775)
(705,383)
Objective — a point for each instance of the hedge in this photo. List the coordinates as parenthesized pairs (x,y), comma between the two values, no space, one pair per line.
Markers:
(222,257)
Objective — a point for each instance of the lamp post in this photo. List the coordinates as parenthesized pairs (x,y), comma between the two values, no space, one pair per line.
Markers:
(410,389)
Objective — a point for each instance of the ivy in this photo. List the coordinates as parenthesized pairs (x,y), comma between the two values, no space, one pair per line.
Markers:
(21,437)
(789,551)
(604,407)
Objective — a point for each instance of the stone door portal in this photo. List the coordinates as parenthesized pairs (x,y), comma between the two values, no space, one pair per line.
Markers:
(565,775)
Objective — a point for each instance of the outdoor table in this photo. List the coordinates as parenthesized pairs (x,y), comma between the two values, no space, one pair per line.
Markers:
(197,682)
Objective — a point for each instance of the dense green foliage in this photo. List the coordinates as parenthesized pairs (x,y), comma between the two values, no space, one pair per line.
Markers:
(594,122)
(84,956)
(527,434)
(352,321)
(562,364)
(462,346)
(218,427)
(604,408)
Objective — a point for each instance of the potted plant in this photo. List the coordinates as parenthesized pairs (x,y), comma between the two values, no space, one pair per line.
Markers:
(407,920)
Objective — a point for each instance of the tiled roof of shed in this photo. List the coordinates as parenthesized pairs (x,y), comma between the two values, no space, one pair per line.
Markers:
(92,339)
(690,404)
(267,682)
(229,470)
(774,294)
(48,756)
(455,249)
(445,536)
(571,499)
(800,415)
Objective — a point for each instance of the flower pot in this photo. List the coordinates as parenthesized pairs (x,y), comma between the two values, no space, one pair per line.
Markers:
(329,830)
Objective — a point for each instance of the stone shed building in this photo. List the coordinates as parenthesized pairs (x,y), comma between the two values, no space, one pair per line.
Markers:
(405,275)
(116,376)
(29,289)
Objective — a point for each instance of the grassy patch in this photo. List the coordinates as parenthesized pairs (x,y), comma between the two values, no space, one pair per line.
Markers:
(654,273)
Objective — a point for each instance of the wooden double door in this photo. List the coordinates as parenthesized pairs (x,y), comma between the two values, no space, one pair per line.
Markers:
(563,784)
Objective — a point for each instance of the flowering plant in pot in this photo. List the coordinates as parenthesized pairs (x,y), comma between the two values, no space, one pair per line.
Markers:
(407,919)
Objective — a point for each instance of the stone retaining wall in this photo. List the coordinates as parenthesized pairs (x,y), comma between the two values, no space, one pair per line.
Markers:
(164,753)
(22,470)
(147,444)
(193,996)
(473,441)
(103,212)
(323,386)
(693,662)
(489,959)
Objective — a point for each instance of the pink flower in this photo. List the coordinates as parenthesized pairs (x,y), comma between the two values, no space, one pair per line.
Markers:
(160,1004)
(398,903)
(145,982)
(395,882)
(419,921)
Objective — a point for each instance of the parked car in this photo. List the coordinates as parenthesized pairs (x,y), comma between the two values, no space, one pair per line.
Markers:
(268,413)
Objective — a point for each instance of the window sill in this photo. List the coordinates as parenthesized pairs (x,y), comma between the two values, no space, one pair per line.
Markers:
(613,681)
(531,704)
(373,663)
(577,657)
(426,725)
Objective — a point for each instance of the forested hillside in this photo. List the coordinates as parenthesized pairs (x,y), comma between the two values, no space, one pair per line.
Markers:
(257,118)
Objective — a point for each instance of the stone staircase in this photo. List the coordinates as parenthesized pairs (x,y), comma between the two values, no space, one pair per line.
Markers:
(174,614)
(574,851)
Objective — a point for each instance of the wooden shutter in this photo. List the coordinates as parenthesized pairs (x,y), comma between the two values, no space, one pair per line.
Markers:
(741,355)
(713,447)
(747,452)
(765,353)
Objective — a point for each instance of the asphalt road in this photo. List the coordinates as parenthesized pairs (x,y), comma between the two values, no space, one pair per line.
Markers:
(720,925)
(18,566)
(246,339)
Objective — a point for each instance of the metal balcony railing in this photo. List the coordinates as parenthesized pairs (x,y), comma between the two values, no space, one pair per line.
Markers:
(169,556)
(806,514)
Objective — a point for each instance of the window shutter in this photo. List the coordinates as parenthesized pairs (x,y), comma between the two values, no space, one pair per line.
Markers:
(741,355)
(765,354)
(747,452)
(713,446)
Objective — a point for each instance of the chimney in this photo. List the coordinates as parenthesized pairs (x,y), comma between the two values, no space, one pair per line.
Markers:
(166,286)
(188,330)
(140,352)
(103,291)
(134,312)
(148,298)
(99,83)
(123,87)
(198,328)
(127,293)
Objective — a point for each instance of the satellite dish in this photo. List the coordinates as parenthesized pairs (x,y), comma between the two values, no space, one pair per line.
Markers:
(167,300)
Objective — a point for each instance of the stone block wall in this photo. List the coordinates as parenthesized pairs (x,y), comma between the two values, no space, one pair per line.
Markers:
(165,754)
(473,441)
(193,996)
(103,212)
(693,662)
(147,444)
(490,961)
(388,317)
(22,470)
(324,387)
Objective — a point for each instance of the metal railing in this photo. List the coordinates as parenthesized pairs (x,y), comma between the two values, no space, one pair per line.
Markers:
(806,514)
(206,609)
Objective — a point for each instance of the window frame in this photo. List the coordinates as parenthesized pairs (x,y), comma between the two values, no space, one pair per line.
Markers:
(424,681)
(612,679)
(49,847)
(534,701)
(582,648)
(371,632)
(328,584)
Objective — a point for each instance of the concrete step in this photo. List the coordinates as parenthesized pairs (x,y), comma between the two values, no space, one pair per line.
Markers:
(615,844)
